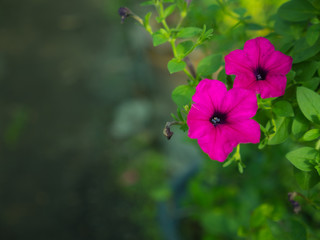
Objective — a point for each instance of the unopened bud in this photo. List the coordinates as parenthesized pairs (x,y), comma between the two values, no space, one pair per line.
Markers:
(167,131)
(124,12)
(296,206)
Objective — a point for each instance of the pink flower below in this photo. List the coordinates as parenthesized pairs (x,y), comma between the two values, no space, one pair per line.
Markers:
(259,67)
(220,119)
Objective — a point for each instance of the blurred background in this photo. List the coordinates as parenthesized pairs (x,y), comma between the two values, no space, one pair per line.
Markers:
(81,119)
(83,101)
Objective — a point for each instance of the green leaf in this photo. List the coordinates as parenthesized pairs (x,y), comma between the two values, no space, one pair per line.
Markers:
(175,65)
(146,22)
(306,70)
(315,3)
(283,109)
(209,65)
(306,180)
(222,76)
(311,135)
(254,26)
(169,10)
(312,34)
(282,130)
(297,230)
(302,51)
(240,11)
(299,125)
(313,83)
(260,215)
(207,35)
(189,32)
(182,95)
(297,11)
(290,76)
(184,48)
(147,19)
(146,3)
(220,220)
(309,103)
(159,37)
(301,158)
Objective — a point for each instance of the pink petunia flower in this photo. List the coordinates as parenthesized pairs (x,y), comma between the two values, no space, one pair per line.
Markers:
(259,67)
(220,119)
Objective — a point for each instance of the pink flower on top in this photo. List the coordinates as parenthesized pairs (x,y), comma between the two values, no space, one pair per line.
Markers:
(259,67)
(220,119)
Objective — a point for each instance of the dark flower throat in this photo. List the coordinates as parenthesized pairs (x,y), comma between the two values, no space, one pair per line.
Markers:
(260,73)
(218,118)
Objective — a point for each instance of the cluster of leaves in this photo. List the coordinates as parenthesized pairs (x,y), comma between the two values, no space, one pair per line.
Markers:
(296,114)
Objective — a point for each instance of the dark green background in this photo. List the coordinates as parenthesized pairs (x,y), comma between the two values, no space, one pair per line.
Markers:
(66,67)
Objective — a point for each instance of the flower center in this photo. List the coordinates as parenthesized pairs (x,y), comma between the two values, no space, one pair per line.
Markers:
(260,73)
(218,118)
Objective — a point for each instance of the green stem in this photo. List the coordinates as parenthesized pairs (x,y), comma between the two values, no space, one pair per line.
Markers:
(174,50)
(182,16)
(160,12)
(188,74)
(237,154)
(164,23)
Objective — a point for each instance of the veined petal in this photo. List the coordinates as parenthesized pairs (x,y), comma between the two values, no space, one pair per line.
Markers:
(210,93)
(245,131)
(258,49)
(237,62)
(246,81)
(273,86)
(198,122)
(216,145)
(277,62)
(240,104)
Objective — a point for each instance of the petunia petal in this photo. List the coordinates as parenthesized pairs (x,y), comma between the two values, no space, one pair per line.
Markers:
(237,62)
(216,145)
(240,104)
(210,93)
(246,81)
(273,86)
(198,122)
(277,62)
(258,49)
(245,131)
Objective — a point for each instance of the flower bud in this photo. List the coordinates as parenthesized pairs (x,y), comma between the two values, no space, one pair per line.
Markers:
(124,12)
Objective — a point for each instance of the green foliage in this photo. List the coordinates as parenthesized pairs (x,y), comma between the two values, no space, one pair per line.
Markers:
(182,94)
(297,10)
(299,125)
(189,32)
(313,34)
(175,65)
(302,158)
(311,135)
(309,103)
(209,64)
(306,179)
(302,51)
(184,48)
(283,109)
(160,37)
(281,127)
